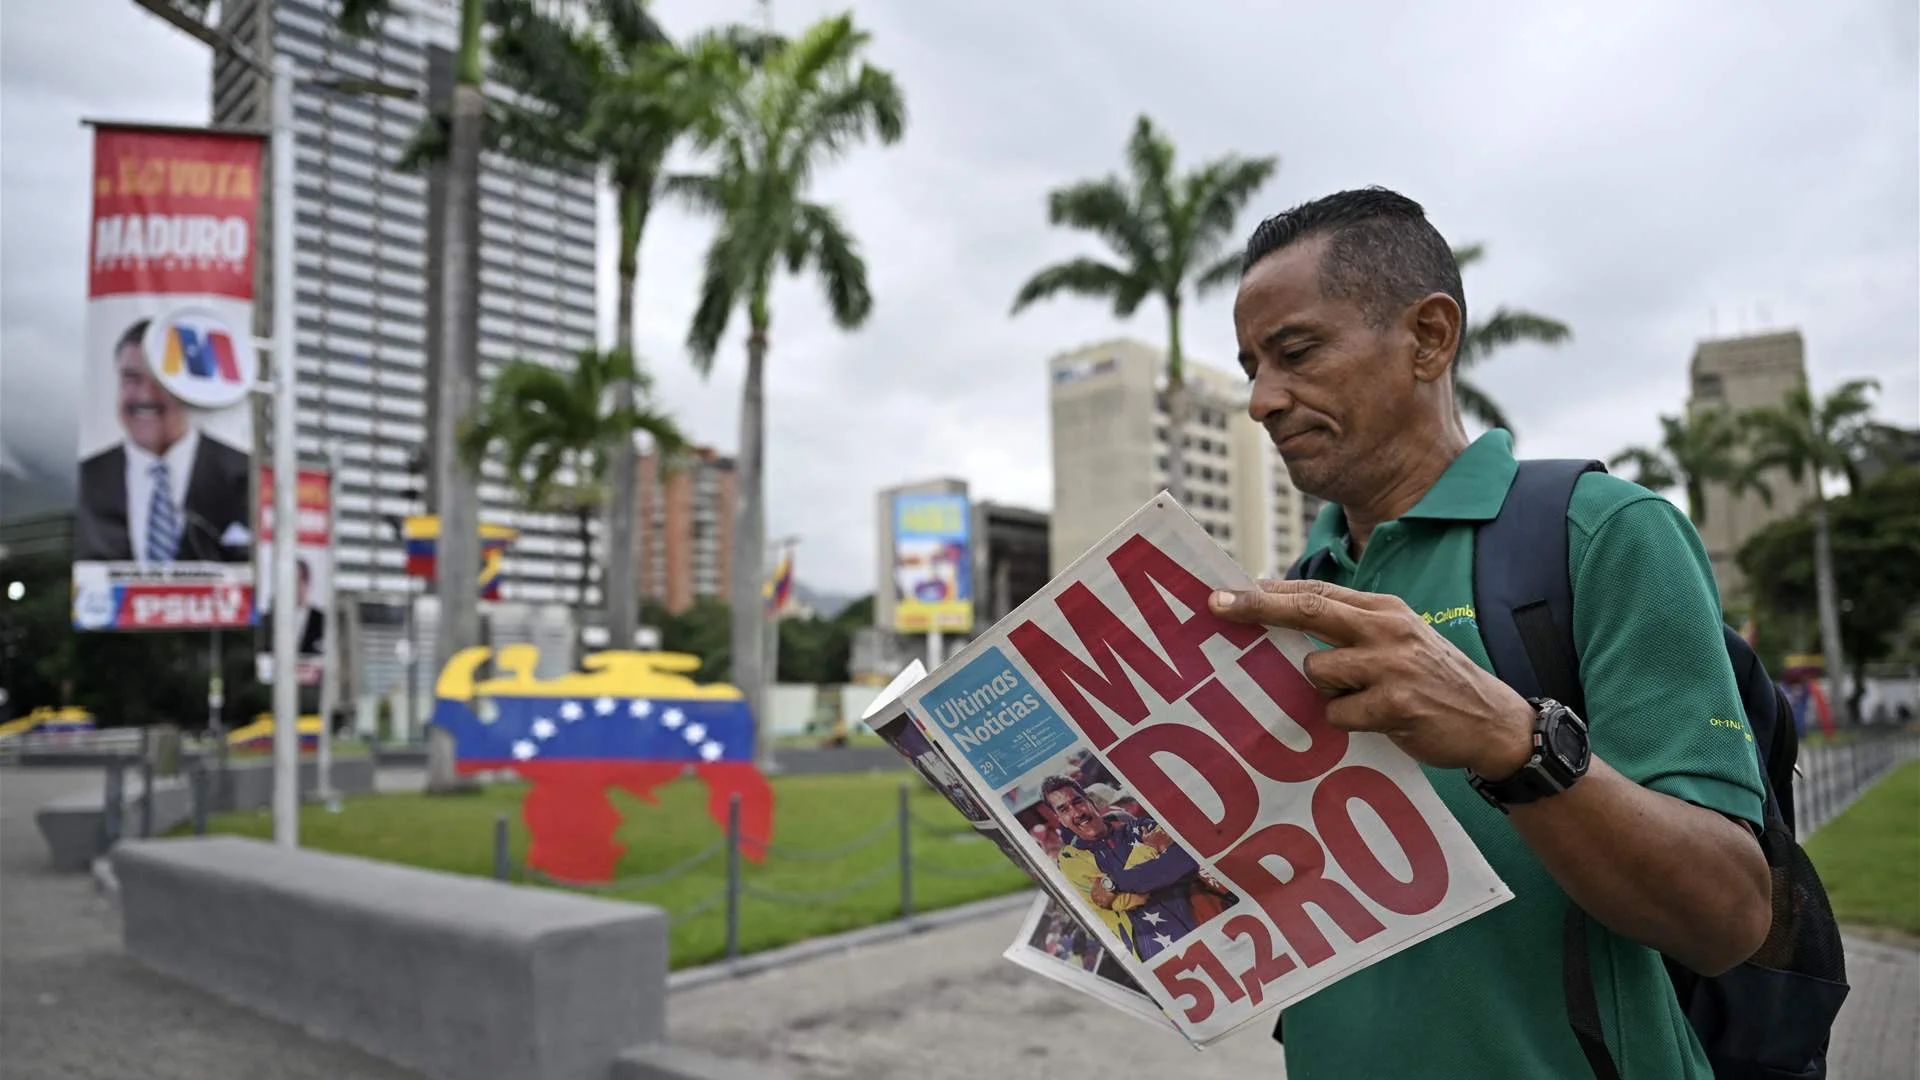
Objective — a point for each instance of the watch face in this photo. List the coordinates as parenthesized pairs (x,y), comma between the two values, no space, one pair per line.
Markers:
(1568,742)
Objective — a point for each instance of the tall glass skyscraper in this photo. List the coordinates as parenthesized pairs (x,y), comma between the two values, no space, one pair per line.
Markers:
(364,283)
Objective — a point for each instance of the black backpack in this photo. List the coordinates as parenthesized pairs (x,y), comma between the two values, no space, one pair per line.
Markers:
(1768,1018)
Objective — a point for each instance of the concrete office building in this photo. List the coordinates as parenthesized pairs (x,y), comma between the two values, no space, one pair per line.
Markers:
(1110,456)
(365,294)
(1742,373)
(686,529)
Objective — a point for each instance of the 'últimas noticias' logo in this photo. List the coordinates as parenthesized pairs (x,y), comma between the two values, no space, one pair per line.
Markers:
(199,359)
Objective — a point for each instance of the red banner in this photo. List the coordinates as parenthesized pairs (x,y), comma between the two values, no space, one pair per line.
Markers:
(174,212)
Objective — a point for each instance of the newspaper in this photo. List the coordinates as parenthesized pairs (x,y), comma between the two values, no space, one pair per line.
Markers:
(1170,782)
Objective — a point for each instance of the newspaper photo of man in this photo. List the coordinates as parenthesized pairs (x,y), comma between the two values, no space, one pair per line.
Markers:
(167,491)
(1149,890)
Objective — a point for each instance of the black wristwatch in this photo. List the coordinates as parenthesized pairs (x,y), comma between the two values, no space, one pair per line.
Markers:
(1560,757)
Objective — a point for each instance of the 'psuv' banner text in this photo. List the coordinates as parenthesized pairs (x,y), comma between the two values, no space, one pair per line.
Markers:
(163,536)
(1176,778)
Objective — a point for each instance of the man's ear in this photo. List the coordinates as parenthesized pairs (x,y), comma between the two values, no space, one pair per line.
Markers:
(1435,323)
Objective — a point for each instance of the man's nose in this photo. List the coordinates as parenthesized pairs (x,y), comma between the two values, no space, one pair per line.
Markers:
(1269,397)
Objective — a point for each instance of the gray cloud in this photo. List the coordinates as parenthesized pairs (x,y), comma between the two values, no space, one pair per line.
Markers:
(1648,172)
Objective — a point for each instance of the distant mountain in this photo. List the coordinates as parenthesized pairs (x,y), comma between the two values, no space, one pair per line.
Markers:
(826,605)
(24,491)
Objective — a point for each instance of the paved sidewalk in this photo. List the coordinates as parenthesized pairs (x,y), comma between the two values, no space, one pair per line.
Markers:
(943,1005)
(73,1007)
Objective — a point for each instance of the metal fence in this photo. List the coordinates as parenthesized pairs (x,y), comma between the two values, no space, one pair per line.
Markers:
(1829,776)
(728,898)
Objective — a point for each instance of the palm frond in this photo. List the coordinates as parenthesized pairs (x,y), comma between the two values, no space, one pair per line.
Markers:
(1651,470)
(1105,209)
(1221,189)
(722,285)
(1221,274)
(630,24)
(1475,403)
(1467,254)
(843,273)
(1084,277)
(1508,327)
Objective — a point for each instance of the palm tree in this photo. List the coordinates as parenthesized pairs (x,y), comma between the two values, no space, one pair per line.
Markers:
(1504,327)
(556,432)
(1694,452)
(810,100)
(1168,232)
(1810,439)
(617,93)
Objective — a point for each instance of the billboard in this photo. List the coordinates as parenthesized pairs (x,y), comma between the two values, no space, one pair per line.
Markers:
(313,574)
(163,532)
(932,563)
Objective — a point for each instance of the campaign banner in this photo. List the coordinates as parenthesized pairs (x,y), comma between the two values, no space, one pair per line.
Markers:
(313,571)
(163,531)
(932,563)
(1173,780)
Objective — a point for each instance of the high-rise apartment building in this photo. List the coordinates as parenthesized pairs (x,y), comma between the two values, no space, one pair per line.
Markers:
(686,528)
(364,279)
(1110,443)
(1738,374)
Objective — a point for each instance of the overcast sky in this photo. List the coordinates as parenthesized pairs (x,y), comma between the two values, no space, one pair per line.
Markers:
(1650,172)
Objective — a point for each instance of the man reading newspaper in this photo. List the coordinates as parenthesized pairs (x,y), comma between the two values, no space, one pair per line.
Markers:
(1349,318)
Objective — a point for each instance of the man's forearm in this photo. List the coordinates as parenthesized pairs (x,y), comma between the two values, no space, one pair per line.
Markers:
(1671,875)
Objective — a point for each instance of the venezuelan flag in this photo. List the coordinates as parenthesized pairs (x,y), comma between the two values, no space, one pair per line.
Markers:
(779,587)
(421,535)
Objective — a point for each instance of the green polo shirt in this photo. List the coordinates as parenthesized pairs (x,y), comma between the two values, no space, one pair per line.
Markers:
(1484,1000)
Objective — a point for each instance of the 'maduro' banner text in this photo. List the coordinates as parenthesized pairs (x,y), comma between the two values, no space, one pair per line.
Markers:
(163,537)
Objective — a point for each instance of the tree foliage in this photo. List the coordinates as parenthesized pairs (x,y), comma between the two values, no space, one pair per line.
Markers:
(1481,338)
(1876,564)
(1167,232)
(1694,451)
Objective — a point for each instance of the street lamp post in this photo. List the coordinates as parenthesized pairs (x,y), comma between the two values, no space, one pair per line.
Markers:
(286,683)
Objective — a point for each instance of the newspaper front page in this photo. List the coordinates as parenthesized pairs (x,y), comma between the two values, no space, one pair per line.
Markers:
(1203,838)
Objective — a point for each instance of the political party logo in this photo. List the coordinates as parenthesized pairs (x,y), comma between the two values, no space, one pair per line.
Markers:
(199,359)
(95,605)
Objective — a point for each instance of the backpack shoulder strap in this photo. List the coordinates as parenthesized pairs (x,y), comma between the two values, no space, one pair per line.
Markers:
(1309,566)
(1522,592)
(1523,602)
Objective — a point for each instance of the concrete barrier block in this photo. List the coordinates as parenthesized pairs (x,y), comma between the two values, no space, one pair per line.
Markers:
(456,977)
(73,825)
(661,1061)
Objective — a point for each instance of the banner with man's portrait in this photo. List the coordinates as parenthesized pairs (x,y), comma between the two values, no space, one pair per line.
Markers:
(163,536)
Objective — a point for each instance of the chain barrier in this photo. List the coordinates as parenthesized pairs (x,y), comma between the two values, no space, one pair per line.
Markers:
(825,896)
(714,900)
(692,862)
(824,854)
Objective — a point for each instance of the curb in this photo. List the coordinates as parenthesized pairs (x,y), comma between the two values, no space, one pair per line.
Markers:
(788,955)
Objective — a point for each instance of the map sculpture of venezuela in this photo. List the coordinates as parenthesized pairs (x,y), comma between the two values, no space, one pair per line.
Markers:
(630,720)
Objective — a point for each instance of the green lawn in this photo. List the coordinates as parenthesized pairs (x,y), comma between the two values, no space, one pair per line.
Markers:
(857,735)
(1869,856)
(811,814)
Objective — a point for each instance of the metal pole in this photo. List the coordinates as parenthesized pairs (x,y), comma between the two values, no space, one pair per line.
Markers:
(198,777)
(935,647)
(116,798)
(502,860)
(733,877)
(906,854)
(146,798)
(286,681)
(329,647)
